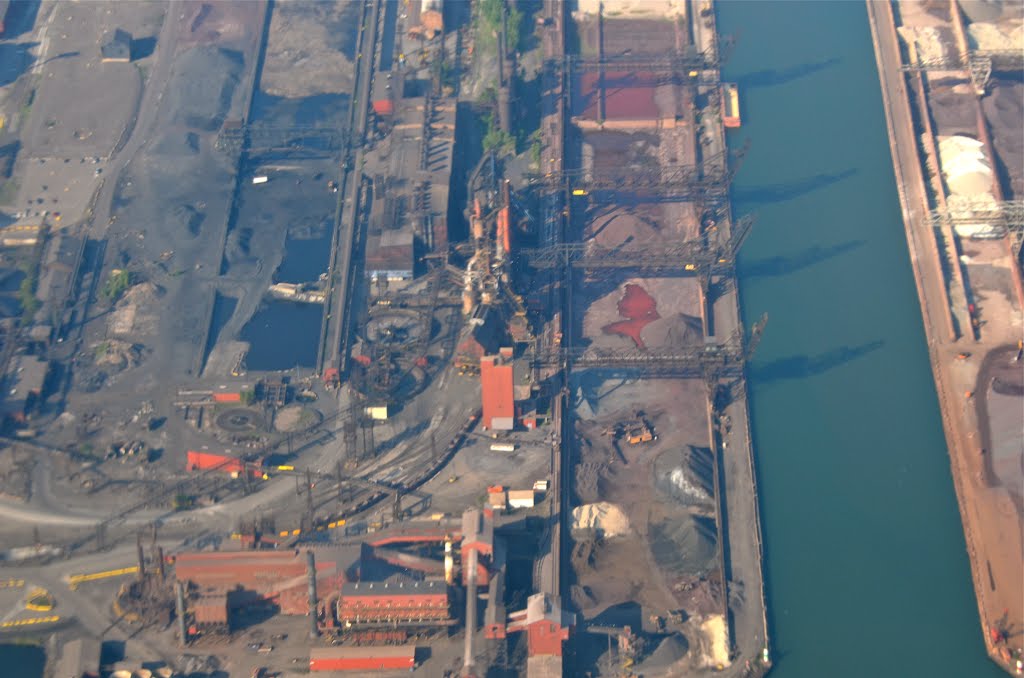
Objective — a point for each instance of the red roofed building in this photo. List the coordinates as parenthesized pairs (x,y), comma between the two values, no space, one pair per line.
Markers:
(496,385)
(546,625)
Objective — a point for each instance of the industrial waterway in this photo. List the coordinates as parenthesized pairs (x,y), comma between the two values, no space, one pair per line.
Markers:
(866,567)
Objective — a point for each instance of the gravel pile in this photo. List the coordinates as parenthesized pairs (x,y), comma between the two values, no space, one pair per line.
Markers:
(668,652)
(606,519)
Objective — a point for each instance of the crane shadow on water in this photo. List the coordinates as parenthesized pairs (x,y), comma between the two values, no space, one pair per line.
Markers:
(783,191)
(785,264)
(770,77)
(801,366)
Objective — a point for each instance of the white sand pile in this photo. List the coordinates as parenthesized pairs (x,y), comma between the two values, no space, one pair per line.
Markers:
(716,646)
(606,519)
(927,42)
(965,165)
(996,37)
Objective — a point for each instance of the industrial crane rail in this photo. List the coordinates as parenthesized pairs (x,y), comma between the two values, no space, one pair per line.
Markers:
(261,138)
(709,178)
(1004,217)
(678,61)
(711,360)
(979,65)
(691,257)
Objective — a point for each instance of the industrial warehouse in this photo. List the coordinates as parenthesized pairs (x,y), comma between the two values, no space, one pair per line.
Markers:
(431,363)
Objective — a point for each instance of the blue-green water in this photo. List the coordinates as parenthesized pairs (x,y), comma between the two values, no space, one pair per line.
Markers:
(22,661)
(867,572)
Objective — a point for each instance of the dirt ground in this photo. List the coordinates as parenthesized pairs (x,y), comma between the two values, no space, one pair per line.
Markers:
(667,561)
(1004,110)
(308,42)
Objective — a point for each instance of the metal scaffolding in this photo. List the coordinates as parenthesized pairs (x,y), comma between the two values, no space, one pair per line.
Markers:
(1003,217)
(710,361)
(266,138)
(685,61)
(978,64)
(707,180)
(696,257)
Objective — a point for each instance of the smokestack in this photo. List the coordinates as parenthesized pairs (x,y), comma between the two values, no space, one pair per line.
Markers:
(314,631)
(471,602)
(179,599)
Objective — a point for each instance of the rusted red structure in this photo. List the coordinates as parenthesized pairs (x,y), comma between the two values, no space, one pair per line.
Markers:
(362,658)
(276,577)
(205,461)
(546,625)
(394,603)
(627,96)
(211,610)
(478,535)
(496,386)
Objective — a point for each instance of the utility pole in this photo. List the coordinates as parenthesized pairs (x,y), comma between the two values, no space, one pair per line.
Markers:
(309,499)
(140,554)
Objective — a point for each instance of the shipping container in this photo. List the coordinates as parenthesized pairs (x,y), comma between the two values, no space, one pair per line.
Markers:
(362,658)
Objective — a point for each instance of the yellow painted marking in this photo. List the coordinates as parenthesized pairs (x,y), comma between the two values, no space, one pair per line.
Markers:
(28,622)
(11,583)
(76,579)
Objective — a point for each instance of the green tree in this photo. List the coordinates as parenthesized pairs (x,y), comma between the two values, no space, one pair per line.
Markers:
(27,291)
(119,281)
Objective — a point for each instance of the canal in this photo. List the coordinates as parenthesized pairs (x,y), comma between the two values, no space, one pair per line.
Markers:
(22,660)
(866,567)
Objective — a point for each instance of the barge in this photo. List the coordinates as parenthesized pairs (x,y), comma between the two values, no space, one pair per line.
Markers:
(730,104)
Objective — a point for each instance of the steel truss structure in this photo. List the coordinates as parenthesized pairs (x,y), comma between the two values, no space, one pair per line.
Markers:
(1004,217)
(696,257)
(978,64)
(710,361)
(266,138)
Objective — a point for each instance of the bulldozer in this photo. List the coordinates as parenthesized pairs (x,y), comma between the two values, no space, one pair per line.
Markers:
(635,431)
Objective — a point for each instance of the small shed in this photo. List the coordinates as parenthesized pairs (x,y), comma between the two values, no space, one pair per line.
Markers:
(521,498)
(116,47)
(496,499)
